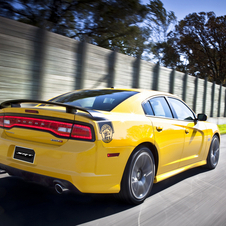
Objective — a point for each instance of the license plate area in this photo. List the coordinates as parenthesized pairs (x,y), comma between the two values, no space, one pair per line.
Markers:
(24,154)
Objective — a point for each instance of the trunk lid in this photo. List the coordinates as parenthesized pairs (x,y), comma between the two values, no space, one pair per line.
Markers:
(49,125)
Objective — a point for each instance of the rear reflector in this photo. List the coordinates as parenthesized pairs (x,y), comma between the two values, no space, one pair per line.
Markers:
(113,154)
(62,129)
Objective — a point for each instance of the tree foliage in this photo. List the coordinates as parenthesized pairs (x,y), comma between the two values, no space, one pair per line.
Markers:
(197,46)
(201,38)
(115,25)
(167,53)
(160,20)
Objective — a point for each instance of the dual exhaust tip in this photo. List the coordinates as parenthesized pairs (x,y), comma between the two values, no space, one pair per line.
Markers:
(60,189)
(58,185)
(2,171)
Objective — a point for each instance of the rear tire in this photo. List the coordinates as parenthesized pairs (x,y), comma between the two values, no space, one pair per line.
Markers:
(214,153)
(138,176)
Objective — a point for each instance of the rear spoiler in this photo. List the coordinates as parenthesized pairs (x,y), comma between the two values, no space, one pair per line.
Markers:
(69,108)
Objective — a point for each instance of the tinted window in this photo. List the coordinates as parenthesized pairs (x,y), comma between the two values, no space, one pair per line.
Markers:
(181,110)
(147,108)
(160,107)
(104,100)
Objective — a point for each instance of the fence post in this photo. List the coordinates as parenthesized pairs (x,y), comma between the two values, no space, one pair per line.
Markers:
(112,68)
(155,84)
(136,73)
(38,63)
(185,86)
(212,99)
(196,93)
(219,102)
(81,65)
(172,81)
(204,95)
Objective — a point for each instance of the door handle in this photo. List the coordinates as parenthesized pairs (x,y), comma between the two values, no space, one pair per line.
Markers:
(159,128)
(186,131)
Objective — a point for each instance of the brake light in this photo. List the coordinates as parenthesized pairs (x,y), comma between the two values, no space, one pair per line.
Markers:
(58,128)
(32,111)
(1,121)
(62,129)
(81,132)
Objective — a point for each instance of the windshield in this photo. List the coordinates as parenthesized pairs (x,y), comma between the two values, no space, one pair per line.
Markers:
(104,100)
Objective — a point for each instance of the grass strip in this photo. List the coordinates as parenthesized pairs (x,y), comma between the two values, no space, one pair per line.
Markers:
(222,128)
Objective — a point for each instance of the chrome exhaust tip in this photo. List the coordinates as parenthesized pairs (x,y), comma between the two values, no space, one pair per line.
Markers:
(60,189)
(2,171)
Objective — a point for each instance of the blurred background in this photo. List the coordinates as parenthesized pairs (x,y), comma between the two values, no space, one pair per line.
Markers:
(48,47)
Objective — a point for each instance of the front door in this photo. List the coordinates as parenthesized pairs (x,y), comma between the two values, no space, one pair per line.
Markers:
(193,129)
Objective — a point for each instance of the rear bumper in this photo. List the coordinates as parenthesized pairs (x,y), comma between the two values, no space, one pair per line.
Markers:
(80,165)
(37,178)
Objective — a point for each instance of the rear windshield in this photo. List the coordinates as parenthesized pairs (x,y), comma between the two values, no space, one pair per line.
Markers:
(104,100)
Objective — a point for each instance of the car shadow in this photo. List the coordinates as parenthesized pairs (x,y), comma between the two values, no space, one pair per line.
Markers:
(24,203)
(176,179)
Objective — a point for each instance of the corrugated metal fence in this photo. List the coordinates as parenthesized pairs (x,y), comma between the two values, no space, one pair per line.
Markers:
(39,64)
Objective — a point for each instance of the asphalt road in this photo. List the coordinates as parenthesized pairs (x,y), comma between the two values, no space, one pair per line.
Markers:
(196,197)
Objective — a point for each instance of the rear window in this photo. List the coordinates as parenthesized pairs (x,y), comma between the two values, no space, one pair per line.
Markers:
(104,100)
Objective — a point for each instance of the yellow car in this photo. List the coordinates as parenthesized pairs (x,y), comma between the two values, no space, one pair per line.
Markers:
(105,141)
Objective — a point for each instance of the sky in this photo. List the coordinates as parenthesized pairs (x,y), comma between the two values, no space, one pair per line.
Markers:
(182,8)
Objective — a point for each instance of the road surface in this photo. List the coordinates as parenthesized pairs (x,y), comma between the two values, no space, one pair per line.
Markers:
(196,197)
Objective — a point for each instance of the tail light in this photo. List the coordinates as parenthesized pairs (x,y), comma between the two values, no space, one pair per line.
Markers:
(81,132)
(1,121)
(62,129)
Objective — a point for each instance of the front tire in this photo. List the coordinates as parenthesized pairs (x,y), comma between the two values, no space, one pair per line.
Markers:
(138,177)
(214,153)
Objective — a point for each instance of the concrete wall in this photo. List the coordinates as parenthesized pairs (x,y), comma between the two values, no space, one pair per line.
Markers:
(38,64)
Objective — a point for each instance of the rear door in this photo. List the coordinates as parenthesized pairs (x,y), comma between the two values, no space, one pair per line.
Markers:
(193,130)
(169,137)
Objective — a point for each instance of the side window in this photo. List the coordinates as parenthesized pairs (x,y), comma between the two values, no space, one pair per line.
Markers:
(160,107)
(147,108)
(181,110)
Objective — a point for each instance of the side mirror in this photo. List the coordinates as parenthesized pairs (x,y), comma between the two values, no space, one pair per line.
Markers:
(202,117)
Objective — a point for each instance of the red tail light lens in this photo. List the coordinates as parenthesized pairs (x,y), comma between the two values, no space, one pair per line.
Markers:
(58,128)
(1,121)
(62,129)
(81,132)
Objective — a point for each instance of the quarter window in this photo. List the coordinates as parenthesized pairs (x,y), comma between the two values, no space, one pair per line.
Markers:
(160,107)
(147,108)
(181,110)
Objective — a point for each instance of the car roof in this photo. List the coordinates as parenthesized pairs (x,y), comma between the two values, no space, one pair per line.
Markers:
(146,93)
(133,103)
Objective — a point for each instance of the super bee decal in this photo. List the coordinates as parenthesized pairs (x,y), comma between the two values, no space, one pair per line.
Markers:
(106,131)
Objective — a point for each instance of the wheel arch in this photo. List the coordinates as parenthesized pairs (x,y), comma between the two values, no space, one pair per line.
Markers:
(218,135)
(152,148)
(124,186)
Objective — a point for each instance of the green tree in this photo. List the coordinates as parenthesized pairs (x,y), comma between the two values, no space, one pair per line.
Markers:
(160,21)
(201,38)
(115,25)
(168,54)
